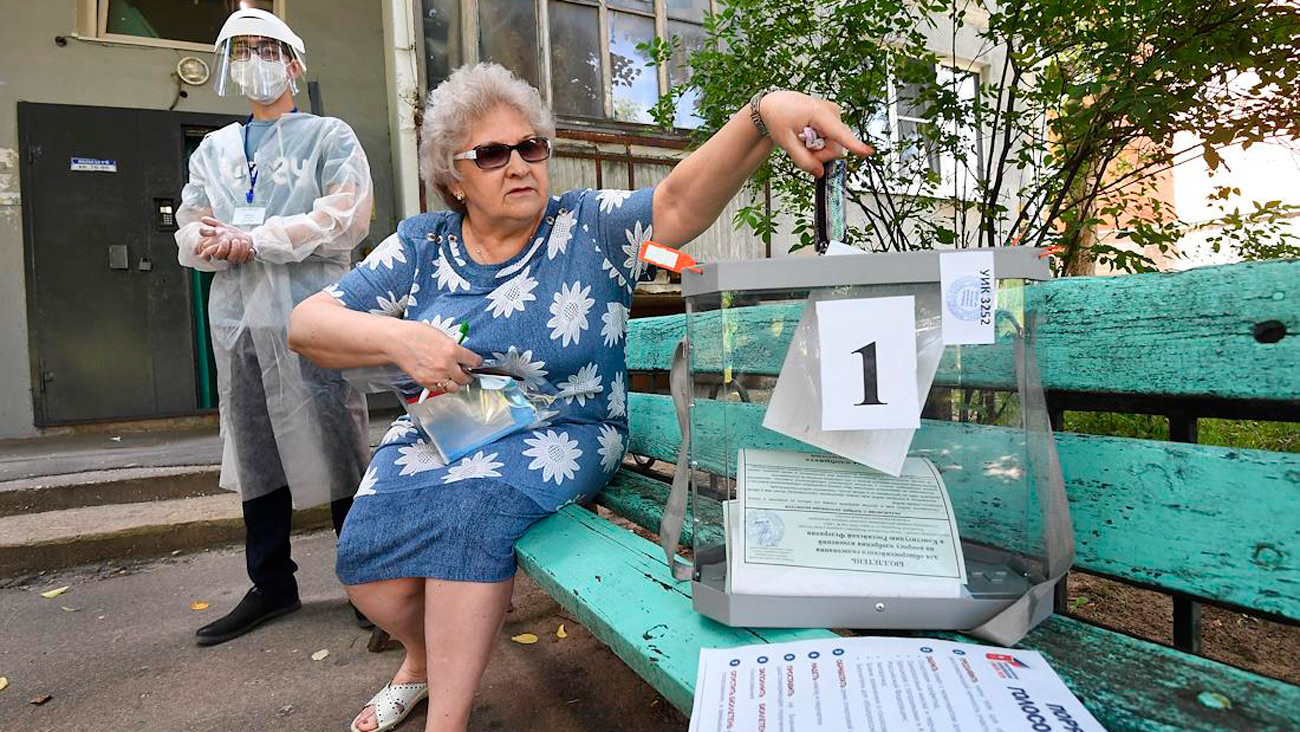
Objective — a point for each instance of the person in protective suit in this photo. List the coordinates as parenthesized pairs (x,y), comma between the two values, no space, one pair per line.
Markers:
(274,207)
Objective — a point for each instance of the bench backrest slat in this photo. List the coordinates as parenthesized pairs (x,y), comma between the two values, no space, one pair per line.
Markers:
(1189,334)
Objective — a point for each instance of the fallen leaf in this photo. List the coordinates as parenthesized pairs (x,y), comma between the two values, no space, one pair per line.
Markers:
(67,609)
(525,638)
(4,683)
(560,633)
(39,700)
(198,605)
(320,655)
(55,592)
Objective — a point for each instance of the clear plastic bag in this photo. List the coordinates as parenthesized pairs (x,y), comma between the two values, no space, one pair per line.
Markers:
(494,404)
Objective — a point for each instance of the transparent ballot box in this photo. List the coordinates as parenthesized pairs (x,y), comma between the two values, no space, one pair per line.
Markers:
(869,445)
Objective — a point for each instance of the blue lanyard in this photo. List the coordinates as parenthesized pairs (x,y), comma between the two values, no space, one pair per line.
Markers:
(252,166)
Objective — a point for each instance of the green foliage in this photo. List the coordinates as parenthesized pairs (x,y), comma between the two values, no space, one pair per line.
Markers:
(1077,111)
(1247,433)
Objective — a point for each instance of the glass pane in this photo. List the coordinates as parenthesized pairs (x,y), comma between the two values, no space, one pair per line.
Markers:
(915,85)
(196,21)
(645,6)
(576,83)
(508,35)
(442,50)
(693,39)
(636,86)
(688,9)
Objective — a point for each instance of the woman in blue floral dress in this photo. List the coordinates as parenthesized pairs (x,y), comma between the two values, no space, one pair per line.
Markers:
(541,284)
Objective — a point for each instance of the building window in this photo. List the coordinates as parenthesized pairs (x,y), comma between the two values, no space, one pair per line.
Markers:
(582,54)
(909,129)
(191,24)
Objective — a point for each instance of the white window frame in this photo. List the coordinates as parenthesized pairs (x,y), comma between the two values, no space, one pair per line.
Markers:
(92,24)
(954,182)
(469,31)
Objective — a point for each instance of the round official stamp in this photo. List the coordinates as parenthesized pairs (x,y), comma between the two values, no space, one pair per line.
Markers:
(764,528)
(963,298)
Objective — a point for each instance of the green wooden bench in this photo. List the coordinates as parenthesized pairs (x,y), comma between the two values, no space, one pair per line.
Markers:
(1203,524)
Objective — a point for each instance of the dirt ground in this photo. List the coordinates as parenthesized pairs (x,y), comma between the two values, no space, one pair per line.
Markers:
(116,651)
(1262,646)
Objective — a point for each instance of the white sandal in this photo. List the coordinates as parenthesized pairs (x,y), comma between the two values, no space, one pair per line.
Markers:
(393,703)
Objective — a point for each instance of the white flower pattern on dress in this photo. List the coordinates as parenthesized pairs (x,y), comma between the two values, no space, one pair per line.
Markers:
(392,306)
(334,292)
(617,400)
(582,385)
(511,296)
(562,232)
(614,274)
(388,251)
(615,321)
(418,458)
(611,448)
(478,466)
(555,455)
(401,427)
(448,277)
(448,326)
(635,238)
(612,199)
(367,486)
(569,311)
(523,365)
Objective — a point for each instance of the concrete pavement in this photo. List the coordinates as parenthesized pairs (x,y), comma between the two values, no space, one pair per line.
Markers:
(121,657)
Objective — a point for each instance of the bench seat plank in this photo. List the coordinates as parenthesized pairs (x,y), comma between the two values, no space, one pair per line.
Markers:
(1132,685)
(617,585)
(1164,514)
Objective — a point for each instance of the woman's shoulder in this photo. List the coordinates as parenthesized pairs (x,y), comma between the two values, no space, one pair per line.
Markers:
(416,229)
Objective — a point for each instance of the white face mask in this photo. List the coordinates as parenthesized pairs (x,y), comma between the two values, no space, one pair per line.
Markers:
(262,81)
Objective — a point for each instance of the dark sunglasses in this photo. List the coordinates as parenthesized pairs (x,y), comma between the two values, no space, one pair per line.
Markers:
(497,154)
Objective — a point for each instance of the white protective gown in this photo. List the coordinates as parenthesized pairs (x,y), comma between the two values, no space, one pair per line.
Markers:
(283,419)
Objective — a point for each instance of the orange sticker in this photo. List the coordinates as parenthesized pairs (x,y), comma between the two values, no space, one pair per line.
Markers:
(667,257)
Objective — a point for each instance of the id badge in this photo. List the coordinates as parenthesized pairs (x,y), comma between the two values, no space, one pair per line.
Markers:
(249,216)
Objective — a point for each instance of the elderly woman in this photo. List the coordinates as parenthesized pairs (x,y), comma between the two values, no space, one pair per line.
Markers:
(539,282)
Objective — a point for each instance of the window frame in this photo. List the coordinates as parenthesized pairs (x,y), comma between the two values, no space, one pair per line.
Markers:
(92,24)
(469,43)
(948,186)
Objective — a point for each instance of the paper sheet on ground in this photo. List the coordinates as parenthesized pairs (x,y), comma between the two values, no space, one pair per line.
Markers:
(795,407)
(881,685)
(821,526)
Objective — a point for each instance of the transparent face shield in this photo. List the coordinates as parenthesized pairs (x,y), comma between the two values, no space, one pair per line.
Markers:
(259,68)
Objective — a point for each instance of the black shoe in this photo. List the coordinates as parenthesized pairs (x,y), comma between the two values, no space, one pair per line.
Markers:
(256,608)
(362,621)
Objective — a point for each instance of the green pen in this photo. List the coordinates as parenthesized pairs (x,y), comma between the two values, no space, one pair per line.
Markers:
(464,332)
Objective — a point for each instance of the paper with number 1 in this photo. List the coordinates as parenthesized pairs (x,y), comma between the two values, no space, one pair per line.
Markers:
(795,408)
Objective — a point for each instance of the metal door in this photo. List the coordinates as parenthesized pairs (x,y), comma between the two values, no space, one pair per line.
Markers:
(109,307)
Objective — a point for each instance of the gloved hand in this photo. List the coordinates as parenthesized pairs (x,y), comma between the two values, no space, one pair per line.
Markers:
(222,241)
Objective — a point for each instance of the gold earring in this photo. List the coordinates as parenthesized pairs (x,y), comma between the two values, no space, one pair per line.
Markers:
(459,196)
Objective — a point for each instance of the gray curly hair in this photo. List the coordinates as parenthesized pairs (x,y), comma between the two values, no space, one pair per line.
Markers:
(457,103)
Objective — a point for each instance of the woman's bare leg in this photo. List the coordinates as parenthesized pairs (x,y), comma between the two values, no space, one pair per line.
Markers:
(397,606)
(461,622)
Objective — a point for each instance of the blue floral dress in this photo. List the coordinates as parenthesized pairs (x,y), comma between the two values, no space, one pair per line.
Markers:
(556,313)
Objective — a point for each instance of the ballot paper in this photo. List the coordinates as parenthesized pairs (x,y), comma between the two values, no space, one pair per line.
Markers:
(818,525)
(881,685)
(795,408)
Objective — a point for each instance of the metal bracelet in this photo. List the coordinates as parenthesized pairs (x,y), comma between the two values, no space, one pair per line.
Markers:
(754,116)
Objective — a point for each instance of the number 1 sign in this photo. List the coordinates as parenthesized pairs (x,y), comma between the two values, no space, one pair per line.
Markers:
(868,363)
